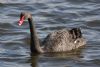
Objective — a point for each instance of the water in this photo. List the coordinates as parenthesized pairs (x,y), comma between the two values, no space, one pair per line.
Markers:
(49,15)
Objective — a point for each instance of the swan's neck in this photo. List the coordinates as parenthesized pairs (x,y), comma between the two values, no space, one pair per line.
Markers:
(35,44)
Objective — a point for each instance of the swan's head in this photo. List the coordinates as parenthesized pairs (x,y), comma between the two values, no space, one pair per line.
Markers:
(24,16)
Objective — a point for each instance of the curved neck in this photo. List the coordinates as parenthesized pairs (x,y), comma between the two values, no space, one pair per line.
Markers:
(35,45)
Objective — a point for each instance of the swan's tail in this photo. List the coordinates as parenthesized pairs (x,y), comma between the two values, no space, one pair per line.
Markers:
(76,33)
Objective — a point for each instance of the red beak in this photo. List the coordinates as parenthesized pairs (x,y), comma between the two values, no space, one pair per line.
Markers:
(20,22)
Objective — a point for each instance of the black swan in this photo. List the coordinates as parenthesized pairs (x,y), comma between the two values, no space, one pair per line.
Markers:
(58,41)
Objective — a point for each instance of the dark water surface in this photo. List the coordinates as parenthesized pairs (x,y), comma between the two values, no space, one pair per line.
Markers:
(49,15)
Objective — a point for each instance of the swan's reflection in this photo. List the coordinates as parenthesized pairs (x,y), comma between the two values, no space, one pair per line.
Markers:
(55,57)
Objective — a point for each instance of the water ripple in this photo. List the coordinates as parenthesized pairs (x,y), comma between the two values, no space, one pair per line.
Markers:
(48,15)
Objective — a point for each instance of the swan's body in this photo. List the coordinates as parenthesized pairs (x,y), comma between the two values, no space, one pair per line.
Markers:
(61,41)
(57,41)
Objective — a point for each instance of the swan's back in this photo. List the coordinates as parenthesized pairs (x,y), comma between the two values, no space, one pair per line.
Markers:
(61,41)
